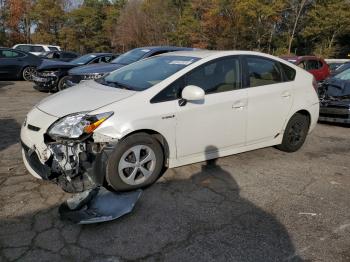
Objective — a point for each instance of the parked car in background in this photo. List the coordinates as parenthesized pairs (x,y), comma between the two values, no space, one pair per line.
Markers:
(335,98)
(51,74)
(36,49)
(314,65)
(341,68)
(60,55)
(167,111)
(16,64)
(96,71)
(334,64)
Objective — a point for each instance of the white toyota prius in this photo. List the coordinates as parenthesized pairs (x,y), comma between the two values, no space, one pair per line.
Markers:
(125,128)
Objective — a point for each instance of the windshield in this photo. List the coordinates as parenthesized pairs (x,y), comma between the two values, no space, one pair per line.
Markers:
(146,73)
(345,75)
(82,60)
(131,56)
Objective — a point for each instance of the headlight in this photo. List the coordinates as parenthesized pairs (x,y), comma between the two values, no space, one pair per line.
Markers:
(49,73)
(76,126)
(93,76)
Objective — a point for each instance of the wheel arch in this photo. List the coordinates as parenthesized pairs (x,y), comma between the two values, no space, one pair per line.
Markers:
(160,138)
(305,113)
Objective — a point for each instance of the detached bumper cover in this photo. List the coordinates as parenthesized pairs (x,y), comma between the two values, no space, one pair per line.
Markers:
(98,205)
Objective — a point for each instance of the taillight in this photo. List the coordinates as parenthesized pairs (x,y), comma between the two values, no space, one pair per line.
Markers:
(314,83)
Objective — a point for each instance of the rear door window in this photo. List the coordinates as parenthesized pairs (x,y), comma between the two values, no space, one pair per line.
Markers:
(37,49)
(263,71)
(288,72)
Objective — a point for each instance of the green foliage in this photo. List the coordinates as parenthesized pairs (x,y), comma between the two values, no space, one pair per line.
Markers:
(327,21)
(273,26)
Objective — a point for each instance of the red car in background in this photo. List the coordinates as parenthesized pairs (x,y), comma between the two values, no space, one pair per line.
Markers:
(315,65)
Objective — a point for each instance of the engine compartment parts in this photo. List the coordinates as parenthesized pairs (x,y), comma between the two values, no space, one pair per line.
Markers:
(98,205)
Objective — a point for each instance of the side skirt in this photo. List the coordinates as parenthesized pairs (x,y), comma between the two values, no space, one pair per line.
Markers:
(221,153)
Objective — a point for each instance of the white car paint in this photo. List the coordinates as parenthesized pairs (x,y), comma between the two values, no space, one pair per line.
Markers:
(233,121)
(46,48)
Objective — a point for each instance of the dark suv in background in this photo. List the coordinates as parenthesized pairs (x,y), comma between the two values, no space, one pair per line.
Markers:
(96,71)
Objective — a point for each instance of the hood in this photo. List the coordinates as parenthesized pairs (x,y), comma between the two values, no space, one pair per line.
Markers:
(337,87)
(55,64)
(86,96)
(95,68)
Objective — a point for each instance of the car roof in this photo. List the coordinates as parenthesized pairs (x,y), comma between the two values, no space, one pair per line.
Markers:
(298,58)
(38,45)
(99,54)
(160,48)
(207,53)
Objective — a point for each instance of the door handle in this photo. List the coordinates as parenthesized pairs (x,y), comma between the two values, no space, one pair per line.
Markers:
(239,105)
(286,94)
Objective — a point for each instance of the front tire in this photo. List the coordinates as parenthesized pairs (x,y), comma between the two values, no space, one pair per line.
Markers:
(136,162)
(27,73)
(62,83)
(295,133)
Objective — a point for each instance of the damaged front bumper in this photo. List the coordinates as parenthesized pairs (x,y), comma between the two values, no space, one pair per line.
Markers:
(45,82)
(335,112)
(75,166)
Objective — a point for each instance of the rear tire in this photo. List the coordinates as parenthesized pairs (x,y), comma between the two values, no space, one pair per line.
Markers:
(136,162)
(295,133)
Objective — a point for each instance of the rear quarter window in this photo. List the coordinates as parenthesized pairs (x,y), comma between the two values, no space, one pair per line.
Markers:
(288,72)
(37,49)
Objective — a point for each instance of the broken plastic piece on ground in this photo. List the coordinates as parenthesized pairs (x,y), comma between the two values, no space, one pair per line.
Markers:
(98,205)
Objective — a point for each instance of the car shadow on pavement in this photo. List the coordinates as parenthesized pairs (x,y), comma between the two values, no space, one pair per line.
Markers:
(195,213)
(5,83)
(9,132)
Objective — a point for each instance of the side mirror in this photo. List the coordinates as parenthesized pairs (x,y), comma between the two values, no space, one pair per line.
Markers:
(193,93)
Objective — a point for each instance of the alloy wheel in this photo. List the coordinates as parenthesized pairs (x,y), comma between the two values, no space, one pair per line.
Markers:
(137,164)
(296,133)
(28,73)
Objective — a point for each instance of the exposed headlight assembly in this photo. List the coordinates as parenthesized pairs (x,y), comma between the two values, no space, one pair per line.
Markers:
(77,126)
(93,76)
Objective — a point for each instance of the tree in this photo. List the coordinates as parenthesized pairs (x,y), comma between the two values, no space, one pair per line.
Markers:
(295,12)
(18,21)
(48,16)
(328,20)
(84,28)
